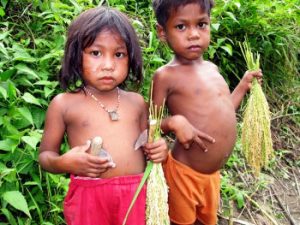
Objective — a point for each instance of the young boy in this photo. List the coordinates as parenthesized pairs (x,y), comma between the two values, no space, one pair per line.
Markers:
(198,99)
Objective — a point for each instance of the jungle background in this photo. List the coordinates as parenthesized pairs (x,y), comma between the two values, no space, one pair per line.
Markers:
(32,37)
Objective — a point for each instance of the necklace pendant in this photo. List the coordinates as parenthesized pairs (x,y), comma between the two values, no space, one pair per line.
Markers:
(114,116)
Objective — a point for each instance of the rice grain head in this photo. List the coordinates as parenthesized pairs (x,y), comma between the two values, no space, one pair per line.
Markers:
(256,129)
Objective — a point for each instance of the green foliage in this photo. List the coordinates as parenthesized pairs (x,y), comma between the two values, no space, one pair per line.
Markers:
(32,41)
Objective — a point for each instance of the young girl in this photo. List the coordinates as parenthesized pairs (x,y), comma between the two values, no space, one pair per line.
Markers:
(101,50)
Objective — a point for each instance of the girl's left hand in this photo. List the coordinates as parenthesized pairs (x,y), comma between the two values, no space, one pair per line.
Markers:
(156,151)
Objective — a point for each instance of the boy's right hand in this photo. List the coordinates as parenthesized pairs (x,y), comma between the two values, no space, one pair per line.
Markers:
(81,163)
(187,134)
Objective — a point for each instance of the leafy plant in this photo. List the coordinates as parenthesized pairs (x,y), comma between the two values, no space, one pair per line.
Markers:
(32,41)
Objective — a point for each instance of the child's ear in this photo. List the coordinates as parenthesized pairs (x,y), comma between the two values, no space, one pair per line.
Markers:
(161,33)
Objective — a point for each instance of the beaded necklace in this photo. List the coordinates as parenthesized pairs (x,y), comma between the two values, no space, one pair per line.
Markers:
(113,114)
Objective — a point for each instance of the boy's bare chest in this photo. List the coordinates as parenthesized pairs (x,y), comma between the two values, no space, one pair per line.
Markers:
(198,87)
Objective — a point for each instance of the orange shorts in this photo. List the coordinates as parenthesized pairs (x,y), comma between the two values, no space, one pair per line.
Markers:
(192,195)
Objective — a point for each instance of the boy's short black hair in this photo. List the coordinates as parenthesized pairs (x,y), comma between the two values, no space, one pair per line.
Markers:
(163,8)
(82,33)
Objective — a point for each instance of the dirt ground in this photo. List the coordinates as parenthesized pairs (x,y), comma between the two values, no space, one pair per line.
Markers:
(278,202)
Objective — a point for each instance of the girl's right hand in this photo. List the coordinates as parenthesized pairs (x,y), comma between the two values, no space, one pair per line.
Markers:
(79,162)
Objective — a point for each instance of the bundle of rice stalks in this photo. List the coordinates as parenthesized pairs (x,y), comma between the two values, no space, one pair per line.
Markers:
(256,130)
(157,190)
(157,208)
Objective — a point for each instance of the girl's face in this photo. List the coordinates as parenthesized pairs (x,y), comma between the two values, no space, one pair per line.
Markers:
(105,63)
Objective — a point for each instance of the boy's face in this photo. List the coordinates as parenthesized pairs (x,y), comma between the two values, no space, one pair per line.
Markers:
(187,31)
(105,63)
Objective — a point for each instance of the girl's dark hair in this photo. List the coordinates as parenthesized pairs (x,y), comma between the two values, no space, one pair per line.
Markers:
(163,8)
(82,33)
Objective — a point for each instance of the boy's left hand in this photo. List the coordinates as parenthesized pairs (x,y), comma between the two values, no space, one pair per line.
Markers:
(246,81)
(156,151)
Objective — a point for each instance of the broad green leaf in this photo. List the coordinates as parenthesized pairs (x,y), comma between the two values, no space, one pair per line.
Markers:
(24,69)
(29,98)
(48,91)
(158,59)
(232,16)
(220,41)
(17,200)
(12,91)
(32,141)
(238,4)
(9,217)
(3,111)
(4,51)
(38,116)
(25,112)
(2,12)
(34,183)
(240,199)
(4,34)
(215,26)
(10,128)
(52,55)
(8,175)
(3,92)
(44,83)
(21,54)
(7,74)
(8,145)
(211,52)
(77,6)
(2,167)
(228,49)
(4,3)
(24,81)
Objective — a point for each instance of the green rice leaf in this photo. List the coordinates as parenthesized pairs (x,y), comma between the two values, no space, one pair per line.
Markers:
(136,194)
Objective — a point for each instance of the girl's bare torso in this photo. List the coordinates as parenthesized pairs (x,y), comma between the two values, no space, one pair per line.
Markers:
(84,119)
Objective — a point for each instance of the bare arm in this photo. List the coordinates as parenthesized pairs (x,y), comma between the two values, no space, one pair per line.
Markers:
(54,130)
(144,114)
(244,86)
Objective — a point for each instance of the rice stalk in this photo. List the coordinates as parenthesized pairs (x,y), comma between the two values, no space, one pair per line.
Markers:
(256,130)
(157,208)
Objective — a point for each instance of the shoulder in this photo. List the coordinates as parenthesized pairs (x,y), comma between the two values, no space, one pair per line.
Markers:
(163,72)
(210,65)
(63,100)
(133,97)
(163,75)
(134,102)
